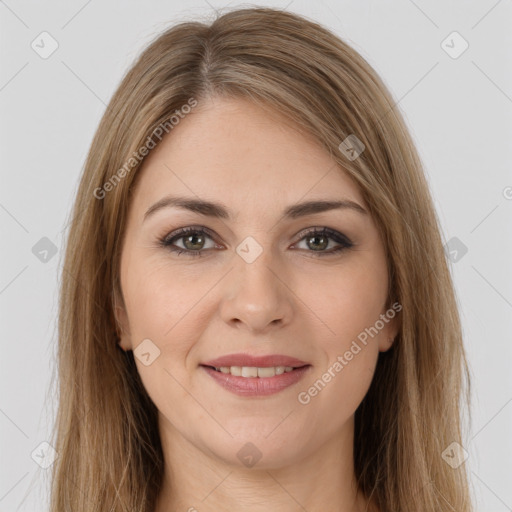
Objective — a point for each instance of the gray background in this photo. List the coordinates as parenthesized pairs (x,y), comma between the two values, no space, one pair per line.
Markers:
(459,111)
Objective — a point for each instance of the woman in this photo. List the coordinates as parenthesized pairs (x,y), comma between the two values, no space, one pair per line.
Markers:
(256,310)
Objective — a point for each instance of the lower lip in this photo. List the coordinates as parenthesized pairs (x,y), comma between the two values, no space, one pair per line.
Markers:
(257,386)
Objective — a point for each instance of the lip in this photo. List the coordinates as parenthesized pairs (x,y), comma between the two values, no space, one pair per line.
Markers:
(257,386)
(266,361)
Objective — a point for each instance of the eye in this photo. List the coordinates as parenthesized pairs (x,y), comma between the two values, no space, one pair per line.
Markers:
(318,240)
(193,240)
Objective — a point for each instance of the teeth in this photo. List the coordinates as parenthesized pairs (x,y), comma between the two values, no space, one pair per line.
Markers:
(251,371)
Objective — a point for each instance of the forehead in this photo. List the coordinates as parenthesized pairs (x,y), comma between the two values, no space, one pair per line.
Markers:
(244,155)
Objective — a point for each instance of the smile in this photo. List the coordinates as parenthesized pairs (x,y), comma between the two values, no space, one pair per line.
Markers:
(252,371)
(250,381)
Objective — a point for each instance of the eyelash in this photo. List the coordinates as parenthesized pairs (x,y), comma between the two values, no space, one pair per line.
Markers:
(167,240)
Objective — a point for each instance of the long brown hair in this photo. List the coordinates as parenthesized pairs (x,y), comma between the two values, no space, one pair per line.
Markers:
(106,435)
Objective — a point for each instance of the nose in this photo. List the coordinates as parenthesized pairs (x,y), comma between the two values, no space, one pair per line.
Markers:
(256,295)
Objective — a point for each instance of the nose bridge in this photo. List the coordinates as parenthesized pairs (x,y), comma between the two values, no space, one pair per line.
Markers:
(256,296)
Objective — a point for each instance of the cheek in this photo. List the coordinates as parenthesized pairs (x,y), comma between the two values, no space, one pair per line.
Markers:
(350,304)
(349,300)
(171,308)
(160,300)
(162,307)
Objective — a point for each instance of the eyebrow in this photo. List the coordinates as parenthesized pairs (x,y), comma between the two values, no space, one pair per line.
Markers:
(218,210)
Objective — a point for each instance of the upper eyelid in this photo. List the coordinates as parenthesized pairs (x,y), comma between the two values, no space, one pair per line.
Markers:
(181,232)
(328,231)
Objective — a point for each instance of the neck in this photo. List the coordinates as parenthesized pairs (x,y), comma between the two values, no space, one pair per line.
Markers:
(197,481)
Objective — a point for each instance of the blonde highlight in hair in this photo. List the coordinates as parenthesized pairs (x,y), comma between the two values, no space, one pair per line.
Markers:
(106,434)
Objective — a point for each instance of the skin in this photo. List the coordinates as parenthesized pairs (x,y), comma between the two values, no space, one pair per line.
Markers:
(290,300)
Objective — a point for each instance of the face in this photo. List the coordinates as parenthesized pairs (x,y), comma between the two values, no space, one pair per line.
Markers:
(251,277)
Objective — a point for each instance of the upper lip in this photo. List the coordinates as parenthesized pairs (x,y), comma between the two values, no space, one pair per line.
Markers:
(255,361)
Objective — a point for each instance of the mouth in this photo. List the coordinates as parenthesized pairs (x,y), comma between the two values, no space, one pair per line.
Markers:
(253,381)
(254,371)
